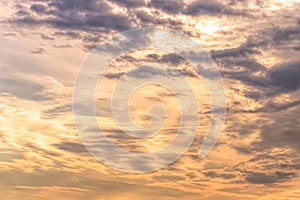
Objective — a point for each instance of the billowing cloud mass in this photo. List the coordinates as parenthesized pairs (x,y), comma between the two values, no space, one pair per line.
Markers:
(254,43)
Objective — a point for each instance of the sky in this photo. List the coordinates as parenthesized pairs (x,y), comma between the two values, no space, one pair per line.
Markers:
(255,46)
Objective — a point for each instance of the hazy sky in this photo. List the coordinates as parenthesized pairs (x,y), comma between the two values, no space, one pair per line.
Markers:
(255,45)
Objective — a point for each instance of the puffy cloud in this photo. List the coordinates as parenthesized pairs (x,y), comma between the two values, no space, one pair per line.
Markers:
(286,76)
(76,15)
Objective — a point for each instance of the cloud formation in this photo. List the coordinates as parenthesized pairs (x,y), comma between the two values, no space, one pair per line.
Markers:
(256,49)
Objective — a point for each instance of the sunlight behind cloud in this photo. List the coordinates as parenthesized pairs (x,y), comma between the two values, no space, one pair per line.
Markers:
(208,26)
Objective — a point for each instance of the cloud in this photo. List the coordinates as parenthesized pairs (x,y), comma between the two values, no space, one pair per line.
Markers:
(38,51)
(63,46)
(173,59)
(238,63)
(73,14)
(9,155)
(174,66)
(270,129)
(88,5)
(242,50)
(283,133)
(261,178)
(287,33)
(10,34)
(114,75)
(214,174)
(39,8)
(286,76)
(172,6)
(86,184)
(17,87)
(151,19)
(148,71)
(45,37)
(71,147)
(131,3)
(275,107)
(70,34)
(202,7)
(58,110)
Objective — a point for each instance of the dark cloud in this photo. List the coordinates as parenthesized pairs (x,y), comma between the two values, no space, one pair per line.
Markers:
(153,56)
(70,34)
(146,72)
(275,107)
(10,34)
(145,17)
(242,50)
(78,5)
(202,7)
(296,48)
(285,34)
(154,19)
(172,59)
(282,137)
(58,110)
(166,178)
(238,63)
(22,12)
(243,149)
(113,21)
(171,6)
(283,133)
(286,76)
(284,175)
(130,3)
(187,72)
(39,8)
(114,75)
(290,166)
(261,178)
(71,147)
(63,46)
(81,19)
(38,51)
(45,37)
(213,174)
(73,14)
